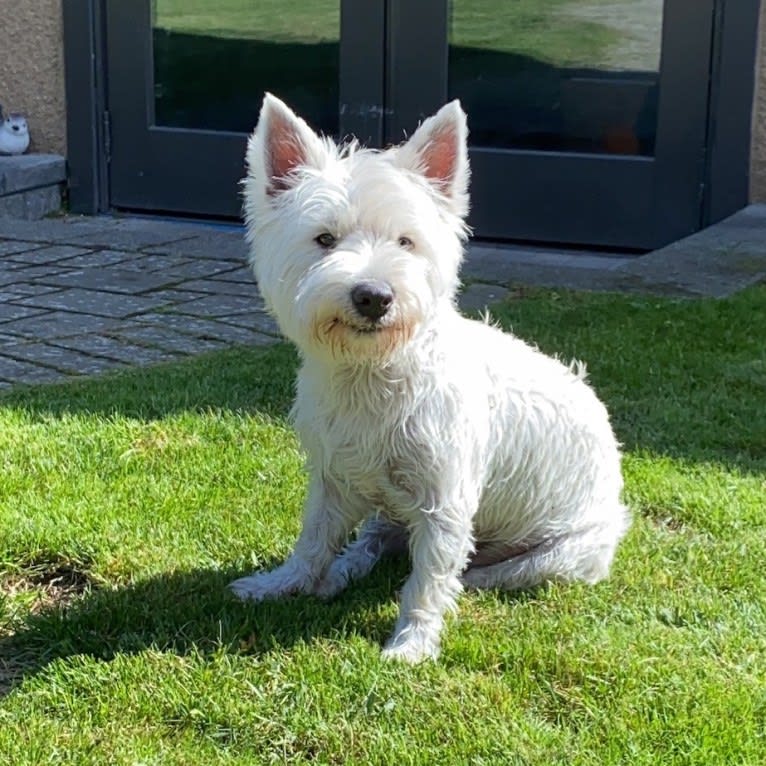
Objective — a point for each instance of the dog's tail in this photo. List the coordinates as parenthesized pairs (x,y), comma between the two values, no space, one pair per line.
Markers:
(586,555)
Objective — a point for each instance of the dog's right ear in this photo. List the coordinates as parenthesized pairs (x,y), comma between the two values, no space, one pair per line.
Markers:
(438,150)
(281,144)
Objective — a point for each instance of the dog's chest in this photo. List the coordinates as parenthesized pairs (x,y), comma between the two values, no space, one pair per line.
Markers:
(374,449)
(376,460)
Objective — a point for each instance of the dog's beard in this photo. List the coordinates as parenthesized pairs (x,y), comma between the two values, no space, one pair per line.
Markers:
(368,341)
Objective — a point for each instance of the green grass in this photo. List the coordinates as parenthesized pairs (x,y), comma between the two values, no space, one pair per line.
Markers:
(128,503)
(273,20)
(525,27)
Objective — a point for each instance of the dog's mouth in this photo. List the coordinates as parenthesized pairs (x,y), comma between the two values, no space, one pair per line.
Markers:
(368,328)
(347,336)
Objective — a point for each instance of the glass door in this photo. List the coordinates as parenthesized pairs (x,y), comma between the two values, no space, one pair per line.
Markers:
(588,118)
(187,77)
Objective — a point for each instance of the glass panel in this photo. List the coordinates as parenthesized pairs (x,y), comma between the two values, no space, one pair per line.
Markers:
(213,60)
(563,75)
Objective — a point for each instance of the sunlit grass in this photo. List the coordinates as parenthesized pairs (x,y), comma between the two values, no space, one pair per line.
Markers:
(127,504)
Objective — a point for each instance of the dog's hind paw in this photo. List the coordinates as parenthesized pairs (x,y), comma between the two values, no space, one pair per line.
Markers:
(261,586)
(334,582)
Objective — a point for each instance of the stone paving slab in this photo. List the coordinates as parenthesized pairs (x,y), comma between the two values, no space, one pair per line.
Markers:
(201,267)
(210,329)
(10,311)
(256,320)
(223,305)
(23,289)
(6,339)
(15,273)
(175,297)
(128,234)
(207,243)
(63,359)
(555,268)
(43,255)
(9,247)
(169,340)
(715,262)
(57,324)
(116,349)
(94,302)
(240,274)
(113,279)
(149,263)
(220,286)
(13,371)
(80,296)
(99,259)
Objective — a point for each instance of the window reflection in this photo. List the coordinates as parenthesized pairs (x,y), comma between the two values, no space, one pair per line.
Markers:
(213,60)
(565,75)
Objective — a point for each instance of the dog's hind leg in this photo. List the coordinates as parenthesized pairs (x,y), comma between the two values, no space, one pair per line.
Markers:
(377,537)
(585,555)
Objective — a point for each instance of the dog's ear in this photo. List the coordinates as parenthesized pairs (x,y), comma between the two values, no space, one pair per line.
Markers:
(438,150)
(282,143)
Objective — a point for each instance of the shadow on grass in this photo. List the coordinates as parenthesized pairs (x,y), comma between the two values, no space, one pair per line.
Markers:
(243,379)
(192,612)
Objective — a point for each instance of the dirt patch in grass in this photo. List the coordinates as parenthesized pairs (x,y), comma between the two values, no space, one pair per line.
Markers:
(28,593)
(47,588)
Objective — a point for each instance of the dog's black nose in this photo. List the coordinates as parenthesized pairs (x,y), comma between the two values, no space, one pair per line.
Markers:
(372,298)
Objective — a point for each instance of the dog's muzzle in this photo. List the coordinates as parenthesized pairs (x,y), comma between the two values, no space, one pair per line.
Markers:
(372,299)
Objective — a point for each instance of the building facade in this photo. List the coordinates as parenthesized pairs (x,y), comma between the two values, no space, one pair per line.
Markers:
(615,123)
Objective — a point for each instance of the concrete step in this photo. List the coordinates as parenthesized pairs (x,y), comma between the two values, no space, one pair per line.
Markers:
(31,185)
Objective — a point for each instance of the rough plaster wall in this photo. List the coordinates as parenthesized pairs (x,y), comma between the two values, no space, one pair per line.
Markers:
(758,157)
(32,69)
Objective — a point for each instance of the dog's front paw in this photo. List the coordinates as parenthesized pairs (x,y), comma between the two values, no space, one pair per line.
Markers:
(411,647)
(262,586)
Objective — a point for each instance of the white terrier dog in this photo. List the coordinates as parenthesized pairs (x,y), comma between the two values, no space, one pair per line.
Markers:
(495,465)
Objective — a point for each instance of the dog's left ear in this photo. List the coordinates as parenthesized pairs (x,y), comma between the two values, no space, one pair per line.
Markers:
(438,150)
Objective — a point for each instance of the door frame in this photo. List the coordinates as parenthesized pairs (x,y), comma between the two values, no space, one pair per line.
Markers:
(725,187)
(149,173)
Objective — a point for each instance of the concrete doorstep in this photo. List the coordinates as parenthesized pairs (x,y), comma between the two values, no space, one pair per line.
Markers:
(31,185)
(715,262)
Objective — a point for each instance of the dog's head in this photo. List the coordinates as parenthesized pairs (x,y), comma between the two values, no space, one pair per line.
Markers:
(356,250)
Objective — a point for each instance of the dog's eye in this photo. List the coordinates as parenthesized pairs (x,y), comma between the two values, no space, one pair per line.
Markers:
(325,240)
(406,243)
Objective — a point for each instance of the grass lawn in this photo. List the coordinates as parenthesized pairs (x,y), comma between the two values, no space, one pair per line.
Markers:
(127,504)
(526,27)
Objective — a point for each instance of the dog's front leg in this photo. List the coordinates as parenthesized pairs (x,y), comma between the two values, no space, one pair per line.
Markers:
(327,523)
(440,543)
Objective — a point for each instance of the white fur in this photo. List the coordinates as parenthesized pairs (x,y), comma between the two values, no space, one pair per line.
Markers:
(432,432)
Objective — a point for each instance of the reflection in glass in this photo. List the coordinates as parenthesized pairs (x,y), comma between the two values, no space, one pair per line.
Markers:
(213,60)
(562,75)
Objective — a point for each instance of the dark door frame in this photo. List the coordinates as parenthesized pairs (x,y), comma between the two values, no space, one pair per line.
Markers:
(727,157)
